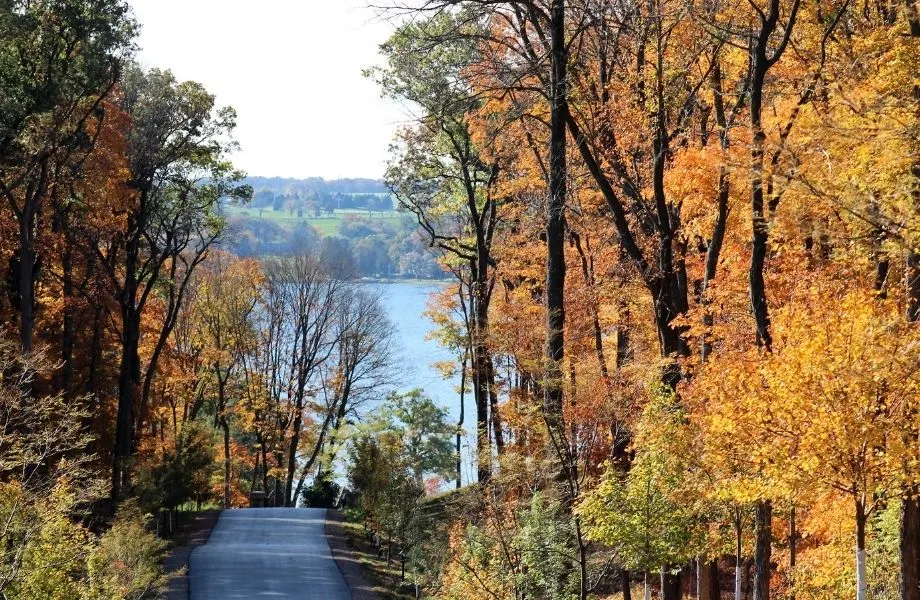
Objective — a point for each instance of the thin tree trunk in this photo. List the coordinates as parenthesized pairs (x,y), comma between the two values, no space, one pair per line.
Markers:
(739,575)
(793,540)
(460,421)
(128,379)
(763,521)
(226,429)
(480,383)
(862,589)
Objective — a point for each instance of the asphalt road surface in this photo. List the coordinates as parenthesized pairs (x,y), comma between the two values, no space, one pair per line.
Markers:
(277,553)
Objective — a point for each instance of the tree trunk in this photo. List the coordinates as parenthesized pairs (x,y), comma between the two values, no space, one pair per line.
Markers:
(27,257)
(128,380)
(460,421)
(793,540)
(715,590)
(292,456)
(861,585)
(555,235)
(494,413)
(739,575)
(671,588)
(226,429)
(763,521)
(625,584)
(480,383)
(909,525)
(707,575)
(908,547)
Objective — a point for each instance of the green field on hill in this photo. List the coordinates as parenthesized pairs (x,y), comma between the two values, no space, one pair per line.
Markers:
(326,224)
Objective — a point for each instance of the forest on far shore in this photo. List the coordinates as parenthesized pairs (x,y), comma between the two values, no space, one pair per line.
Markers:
(356,219)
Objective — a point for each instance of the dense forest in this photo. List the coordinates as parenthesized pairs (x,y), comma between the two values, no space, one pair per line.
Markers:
(684,294)
(686,291)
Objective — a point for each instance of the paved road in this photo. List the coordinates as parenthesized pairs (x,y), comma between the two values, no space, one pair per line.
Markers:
(277,553)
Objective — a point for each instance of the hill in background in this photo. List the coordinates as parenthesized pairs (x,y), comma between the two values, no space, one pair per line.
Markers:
(354,219)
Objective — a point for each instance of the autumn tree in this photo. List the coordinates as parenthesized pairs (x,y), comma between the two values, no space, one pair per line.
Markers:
(226,295)
(61,61)
(441,175)
(177,159)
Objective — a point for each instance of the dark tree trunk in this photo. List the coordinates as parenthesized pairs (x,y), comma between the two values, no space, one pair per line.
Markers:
(494,413)
(715,590)
(26,284)
(289,500)
(625,584)
(481,388)
(758,291)
(793,541)
(129,375)
(225,427)
(92,385)
(128,380)
(709,580)
(671,588)
(909,551)
(27,258)
(909,535)
(460,421)
(763,521)
(555,234)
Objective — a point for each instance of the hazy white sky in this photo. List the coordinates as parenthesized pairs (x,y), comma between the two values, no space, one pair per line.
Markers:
(291,69)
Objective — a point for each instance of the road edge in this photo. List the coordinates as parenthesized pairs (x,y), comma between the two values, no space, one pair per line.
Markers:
(198,532)
(351,570)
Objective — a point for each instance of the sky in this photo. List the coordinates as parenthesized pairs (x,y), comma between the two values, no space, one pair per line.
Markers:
(291,69)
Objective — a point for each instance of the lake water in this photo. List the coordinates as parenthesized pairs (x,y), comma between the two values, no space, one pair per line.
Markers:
(405,305)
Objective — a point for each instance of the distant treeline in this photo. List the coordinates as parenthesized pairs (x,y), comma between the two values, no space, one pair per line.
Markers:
(318,184)
(316,196)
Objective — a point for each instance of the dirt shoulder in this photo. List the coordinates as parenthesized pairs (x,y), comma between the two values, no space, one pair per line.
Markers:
(348,558)
(192,534)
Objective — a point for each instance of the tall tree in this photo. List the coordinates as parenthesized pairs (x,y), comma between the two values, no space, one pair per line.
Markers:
(304,296)
(60,61)
(225,297)
(177,157)
(363,367)
(441,174)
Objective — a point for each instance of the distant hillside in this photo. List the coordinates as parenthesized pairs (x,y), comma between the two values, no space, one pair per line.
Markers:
(316,195)
(290,186)
(352,219)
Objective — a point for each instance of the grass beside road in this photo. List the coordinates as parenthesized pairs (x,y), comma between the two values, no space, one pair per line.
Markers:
(386,580)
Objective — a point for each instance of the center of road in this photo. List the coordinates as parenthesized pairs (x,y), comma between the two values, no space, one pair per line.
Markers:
(278,553)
